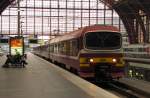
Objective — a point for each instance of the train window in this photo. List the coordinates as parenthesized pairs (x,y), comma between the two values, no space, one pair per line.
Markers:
(75,47)
(55,48)
(71,47)
(102,40)
(63,47)
(52,48)
(47,47)
(60,47)
(68,47)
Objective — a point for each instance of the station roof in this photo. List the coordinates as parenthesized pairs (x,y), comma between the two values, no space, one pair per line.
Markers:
(131,11)
(55,17)
(4,4)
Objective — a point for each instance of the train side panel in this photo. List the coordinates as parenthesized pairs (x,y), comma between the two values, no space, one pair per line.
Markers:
(66,52)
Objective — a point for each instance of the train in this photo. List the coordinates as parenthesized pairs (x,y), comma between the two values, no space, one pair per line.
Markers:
(91,52)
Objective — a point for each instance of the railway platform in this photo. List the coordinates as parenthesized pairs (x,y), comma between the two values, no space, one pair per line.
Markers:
(140,86)
(41,79)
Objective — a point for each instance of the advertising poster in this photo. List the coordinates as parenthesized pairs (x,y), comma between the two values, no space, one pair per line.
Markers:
(16,46)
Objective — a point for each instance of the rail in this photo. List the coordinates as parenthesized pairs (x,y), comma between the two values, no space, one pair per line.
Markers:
(128,91)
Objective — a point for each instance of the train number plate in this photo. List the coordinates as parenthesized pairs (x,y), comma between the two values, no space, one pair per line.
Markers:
(103,60)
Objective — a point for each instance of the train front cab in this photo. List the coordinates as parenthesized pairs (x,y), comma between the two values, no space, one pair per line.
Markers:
(101,57)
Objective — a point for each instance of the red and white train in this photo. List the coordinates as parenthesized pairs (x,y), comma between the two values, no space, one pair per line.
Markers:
(92,52)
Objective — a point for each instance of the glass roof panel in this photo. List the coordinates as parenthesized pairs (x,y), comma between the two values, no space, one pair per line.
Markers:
(54,17)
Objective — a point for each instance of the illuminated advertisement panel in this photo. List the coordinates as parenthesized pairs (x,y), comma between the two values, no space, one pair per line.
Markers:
(16,46)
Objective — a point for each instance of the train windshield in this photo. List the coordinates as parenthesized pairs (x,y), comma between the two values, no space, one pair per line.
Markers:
(102,40)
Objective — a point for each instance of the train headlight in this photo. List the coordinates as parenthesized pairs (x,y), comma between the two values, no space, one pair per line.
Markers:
(91,60)
(114,60)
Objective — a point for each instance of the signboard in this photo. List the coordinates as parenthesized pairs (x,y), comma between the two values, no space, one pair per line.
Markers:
(16,46)
(4,40)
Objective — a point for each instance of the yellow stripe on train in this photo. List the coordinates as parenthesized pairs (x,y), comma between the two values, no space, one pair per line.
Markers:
(98,60)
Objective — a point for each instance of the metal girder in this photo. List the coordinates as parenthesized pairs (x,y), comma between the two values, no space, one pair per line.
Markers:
(145,4)
(129,12)
(127,20)
(138,17)
(109,3)
(4,4)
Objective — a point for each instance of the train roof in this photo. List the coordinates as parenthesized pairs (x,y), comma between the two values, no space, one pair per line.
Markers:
(82,31)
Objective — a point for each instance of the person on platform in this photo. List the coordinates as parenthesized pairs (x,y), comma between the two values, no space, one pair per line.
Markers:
(9,58)
(17,57)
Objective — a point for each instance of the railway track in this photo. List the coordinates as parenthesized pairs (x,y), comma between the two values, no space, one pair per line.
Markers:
(123,89)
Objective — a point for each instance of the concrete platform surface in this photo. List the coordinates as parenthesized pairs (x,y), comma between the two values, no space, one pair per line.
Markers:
(41,79)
